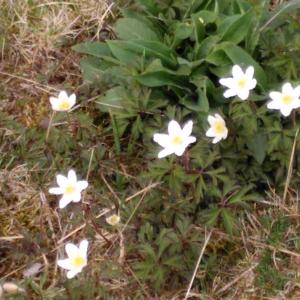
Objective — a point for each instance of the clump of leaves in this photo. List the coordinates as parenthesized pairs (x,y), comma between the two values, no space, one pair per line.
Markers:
(165,64)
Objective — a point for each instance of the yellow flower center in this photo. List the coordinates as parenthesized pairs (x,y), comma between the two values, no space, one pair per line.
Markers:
(69,189)
(77,261)
(218,127)
(287,99)
(64,104)
(113,220)
(242,83)
(176,140)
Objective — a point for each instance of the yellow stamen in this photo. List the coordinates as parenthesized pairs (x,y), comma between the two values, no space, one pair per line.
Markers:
(218,127)
(64,105)
(113,220)
(176,140)
(242,83)
(77,261)
(287,99)
(69,189)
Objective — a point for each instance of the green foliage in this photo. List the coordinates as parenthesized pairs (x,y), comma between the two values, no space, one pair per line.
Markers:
(165,64)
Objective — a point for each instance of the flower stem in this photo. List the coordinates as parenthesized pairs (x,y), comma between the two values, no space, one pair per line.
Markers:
(49,125)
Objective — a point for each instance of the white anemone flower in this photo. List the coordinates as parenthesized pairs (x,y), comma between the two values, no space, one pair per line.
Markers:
(77,258)
(69,187)
(113,220)
(240,83)
(63,102)
(218,129)
(286,100)
(176,140)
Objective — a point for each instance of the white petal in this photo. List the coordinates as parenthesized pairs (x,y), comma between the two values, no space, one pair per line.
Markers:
(64,201)
(243,94)
(72,250)
(190,140)
(249,72)
(237,72)
(76,197)
(62,181)
(65,264)
(165,152)
(83,246)
(188,128)
(56,191)
(217,116)
(230,93)
(252,84)
(72,100)
(295,103)
(224,136)
(297,91)
(275,96)
(211,120)
(180,150)
(62,95)
(216,139)
(81,185)
(287,88)
(72,178)
(53,102)
(174,128)
(210,132)
(73,272)
(286,111)
(162,139)
(274,105)
(228,82)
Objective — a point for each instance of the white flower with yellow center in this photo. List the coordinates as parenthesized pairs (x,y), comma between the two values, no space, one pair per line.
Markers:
(69,187)
(286,100)
(240,83)
(218,129)
(77,258)
(63,102)
(113,220)
(176,140)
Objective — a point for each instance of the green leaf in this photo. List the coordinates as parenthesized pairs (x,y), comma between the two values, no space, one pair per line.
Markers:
(126,51)
(258,147)
(133,29)
(238,30)
(228,220)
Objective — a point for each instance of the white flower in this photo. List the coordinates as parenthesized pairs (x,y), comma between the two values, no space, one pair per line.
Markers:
(113,220)
(77,258)
(240,83)
(286,100)
(63,102)
(69,187)
(218,129)
(176,140)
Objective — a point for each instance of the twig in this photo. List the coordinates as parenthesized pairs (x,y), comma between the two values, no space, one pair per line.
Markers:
(290,169)
(197,264)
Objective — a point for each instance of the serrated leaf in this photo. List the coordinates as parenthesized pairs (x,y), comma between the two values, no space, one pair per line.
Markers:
(228,220)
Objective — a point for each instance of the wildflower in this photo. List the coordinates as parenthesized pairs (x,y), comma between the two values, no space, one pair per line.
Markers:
(77,258)
(63,102)
(286,100)
(240,83)
(69,187)
(113,220)
(218,129)
(176,140)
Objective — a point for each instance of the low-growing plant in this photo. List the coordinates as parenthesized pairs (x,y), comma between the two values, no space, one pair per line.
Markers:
(164,64)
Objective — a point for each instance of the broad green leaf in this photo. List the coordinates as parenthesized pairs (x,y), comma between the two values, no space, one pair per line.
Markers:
(133,29)
(238,30)
(93,68)
(150,6)
(258,147)
(127,50)
(98,49)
